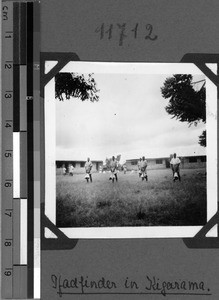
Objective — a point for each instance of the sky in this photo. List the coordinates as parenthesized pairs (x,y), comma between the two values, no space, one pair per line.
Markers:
(129,119)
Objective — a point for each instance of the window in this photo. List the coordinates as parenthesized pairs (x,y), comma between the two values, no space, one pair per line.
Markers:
(159,161)
(192,159)
(133,163)
(203,158)
(82,164)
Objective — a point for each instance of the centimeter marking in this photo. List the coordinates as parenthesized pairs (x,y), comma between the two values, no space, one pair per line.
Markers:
(7,152)
(20,85)
(29,125)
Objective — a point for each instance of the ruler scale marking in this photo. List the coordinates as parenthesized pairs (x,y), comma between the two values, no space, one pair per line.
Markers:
(23,165)
(7,161)
(30,233)
(37,161)
(16,140)
(23,98)
(23,32)
(16,231)
(16,98)
(16,62)
(21,118)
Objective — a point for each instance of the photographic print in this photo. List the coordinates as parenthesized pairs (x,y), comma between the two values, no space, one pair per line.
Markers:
(129,146)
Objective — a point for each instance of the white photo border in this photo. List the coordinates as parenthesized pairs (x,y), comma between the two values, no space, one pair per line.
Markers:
(50,146)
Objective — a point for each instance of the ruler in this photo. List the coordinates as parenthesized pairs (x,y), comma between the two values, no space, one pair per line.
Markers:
(20,88)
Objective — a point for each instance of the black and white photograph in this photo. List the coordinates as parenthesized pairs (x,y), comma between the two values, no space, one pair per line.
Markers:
(130,146)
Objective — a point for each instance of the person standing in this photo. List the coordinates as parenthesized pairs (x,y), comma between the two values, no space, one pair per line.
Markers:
(88,167)
(71,169)
(175,163)
(113,169)
(139,167)
(143,166)
(63,170)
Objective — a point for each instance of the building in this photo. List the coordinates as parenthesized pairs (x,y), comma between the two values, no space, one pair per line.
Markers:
(78,165)
(187,162)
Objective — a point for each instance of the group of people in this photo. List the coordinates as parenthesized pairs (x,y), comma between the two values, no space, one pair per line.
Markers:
(113,168)
(142,169)
(88,167)
(174,163)
(70,170)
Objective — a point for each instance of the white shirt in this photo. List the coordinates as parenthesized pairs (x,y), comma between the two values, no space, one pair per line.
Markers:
(88,166)
(175,161)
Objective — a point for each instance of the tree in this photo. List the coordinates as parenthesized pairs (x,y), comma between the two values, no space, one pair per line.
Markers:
(185,103)
(202,139)
(76,85)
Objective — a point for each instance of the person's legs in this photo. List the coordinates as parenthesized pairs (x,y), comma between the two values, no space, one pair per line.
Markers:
(179,176)
(174,170)
(90,177)
(116,177)
(111,176)
(87,177)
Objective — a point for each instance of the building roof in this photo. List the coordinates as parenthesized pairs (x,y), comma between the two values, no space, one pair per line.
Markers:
(166,157)
(76,160)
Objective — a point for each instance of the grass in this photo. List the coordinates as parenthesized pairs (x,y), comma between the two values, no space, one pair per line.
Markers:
(131,202)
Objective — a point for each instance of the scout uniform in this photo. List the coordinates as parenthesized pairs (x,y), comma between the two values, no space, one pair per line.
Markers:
(143,167)
(175,162)
(88,166)
(113,168)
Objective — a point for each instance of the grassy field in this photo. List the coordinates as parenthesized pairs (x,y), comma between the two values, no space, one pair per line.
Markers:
(130,201)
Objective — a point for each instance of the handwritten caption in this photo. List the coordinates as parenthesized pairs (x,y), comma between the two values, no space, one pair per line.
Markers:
(121,32)
(149,285)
